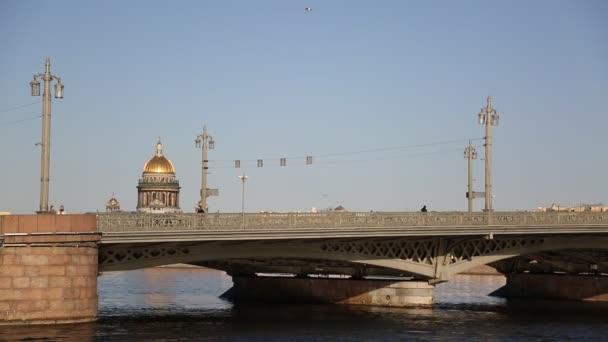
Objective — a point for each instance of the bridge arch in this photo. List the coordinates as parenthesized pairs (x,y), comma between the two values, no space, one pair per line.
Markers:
(545,244)
(432,258)
(130,257)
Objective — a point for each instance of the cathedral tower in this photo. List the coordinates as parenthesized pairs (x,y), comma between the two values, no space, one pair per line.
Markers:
(158,189)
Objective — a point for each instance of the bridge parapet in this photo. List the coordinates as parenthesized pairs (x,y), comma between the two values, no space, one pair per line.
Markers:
(131,222)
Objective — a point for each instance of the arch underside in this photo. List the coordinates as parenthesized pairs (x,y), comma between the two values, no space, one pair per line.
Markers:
(422,258)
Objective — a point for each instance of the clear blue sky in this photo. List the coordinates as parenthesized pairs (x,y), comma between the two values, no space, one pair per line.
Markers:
(271,80)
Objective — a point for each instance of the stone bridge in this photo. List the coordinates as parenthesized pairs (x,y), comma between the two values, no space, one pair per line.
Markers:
(49,263)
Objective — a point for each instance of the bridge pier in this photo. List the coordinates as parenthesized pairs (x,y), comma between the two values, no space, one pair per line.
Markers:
(48,269)
(375,292)
(557,286)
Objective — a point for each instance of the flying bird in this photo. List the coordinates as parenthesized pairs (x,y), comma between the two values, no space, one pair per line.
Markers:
(308,9)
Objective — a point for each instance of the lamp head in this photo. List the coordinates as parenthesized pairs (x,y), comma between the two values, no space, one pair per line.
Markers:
(482,117)
(58,90)
(35,85)
(495,119)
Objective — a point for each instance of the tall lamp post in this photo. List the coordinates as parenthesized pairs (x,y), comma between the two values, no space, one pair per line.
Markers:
(45,157)
(488,116)
(243,179)
(204,141)
(470,153)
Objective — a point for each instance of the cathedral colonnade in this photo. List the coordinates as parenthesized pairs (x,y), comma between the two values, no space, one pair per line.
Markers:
(169,198)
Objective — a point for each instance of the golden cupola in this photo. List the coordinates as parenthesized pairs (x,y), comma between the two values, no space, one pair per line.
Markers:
(112,205)
(158,189)
(158,163)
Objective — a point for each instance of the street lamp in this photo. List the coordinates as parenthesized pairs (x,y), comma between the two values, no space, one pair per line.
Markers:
(205,141)
(488,116)
(243,178)
(470,153)
(46,77)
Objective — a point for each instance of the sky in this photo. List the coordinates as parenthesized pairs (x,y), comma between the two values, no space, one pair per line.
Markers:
(384,95)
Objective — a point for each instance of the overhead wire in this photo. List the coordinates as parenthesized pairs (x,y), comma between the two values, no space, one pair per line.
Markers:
(398,147)
(8,123)
(13,122)
(422,154)
(18,107)
(320,160)
(338,154)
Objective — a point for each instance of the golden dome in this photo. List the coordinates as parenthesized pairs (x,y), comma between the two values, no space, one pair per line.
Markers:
(158,163)
(112,205)
(113,202)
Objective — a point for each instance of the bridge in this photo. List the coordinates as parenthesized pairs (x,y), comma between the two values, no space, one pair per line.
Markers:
(377,258)
(431,246)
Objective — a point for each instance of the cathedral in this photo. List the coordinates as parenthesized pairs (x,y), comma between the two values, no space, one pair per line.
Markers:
(158,189)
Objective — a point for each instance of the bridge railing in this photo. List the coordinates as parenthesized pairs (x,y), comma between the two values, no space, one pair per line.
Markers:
(135,222)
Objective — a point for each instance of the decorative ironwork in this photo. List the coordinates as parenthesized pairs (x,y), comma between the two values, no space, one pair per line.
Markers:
(116,256)
(127,222)
(466,250)
(418,251)
(428,257)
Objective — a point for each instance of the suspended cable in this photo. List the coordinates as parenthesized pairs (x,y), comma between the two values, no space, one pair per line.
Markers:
(19,107)
(381,149)
(398,147)
(7,123)
(322,162)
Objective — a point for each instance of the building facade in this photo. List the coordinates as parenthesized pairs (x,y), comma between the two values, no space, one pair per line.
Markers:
(578,209)
(158,189)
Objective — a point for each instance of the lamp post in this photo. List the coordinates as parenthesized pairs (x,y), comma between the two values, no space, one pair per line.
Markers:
(243,179)
(204,141)
(488,116)
(470,153)
(45,156)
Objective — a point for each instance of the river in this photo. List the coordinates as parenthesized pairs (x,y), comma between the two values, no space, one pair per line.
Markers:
(184,304)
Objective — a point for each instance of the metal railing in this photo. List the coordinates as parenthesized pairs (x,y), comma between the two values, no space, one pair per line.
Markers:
(136,222)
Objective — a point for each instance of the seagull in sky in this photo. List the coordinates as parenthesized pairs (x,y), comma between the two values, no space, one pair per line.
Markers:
(308,9)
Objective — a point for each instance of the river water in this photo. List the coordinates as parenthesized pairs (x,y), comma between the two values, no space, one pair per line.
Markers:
(184,304)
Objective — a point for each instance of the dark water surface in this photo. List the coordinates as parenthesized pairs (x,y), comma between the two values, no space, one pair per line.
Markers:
(183,304)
